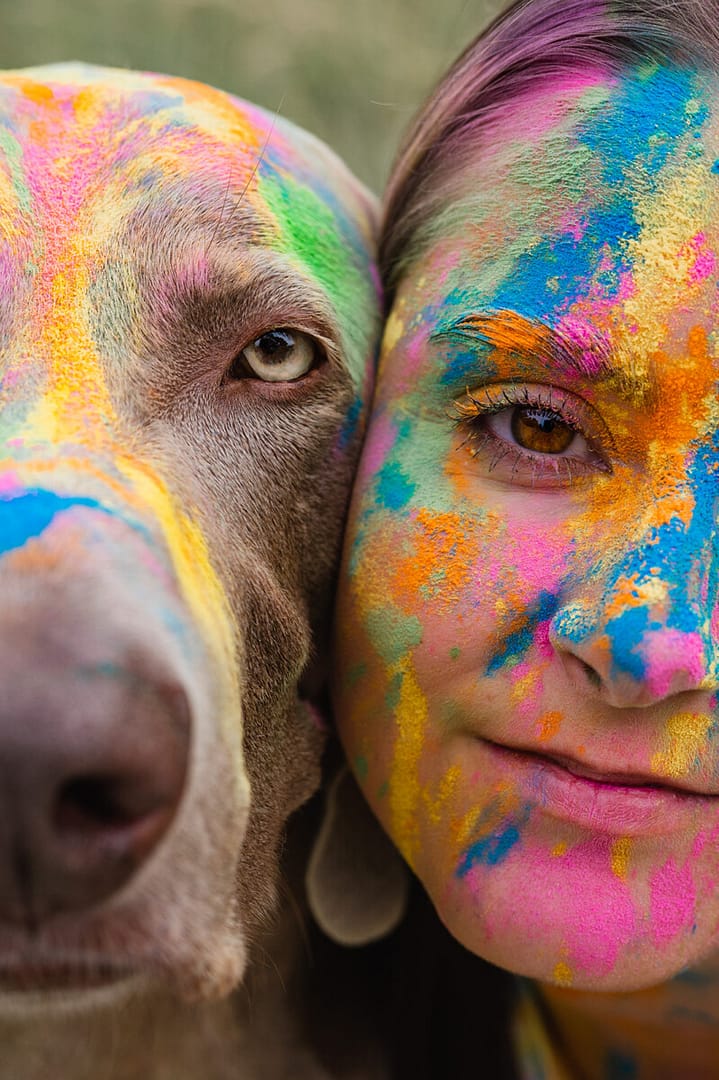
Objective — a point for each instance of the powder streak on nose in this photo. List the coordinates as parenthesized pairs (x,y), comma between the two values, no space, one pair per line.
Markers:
(28,515)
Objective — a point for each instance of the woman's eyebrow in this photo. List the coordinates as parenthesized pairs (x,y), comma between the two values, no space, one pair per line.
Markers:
(573,347)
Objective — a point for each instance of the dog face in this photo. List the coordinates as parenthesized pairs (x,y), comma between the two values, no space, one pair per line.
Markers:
(187,315)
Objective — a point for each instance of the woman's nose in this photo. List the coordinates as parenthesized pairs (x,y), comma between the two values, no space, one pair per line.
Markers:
(644,640)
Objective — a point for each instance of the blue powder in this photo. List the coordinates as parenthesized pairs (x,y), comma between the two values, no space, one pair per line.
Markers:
(490,851)
(349,428)
(552,274)
(394,488)
(493,849)
(680,554)
(625,633)
(28,515)
(643,119)
(518,641)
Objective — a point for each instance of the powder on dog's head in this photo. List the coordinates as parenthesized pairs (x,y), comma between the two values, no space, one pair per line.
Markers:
(188,314)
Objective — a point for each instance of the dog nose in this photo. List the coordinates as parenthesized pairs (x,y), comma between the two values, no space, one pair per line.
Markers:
(92,770)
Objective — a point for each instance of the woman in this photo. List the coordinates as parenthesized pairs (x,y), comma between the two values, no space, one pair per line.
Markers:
(528,620)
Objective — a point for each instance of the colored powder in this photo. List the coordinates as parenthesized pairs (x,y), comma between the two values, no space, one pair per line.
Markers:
(672,902)
(668,653)
(625,634)
(411,719)
(28,515)
(621,851)
(438,565)
(392,633)
(322,237)
(491,850)
(518,638)
(598,912)
(394,489)
(447,788)
(684,740)
(548,725)
(562,974)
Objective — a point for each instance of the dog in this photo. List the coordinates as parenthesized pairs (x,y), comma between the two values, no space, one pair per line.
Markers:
(188,316)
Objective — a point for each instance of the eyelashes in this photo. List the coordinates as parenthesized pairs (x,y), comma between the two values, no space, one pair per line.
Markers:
(532,435)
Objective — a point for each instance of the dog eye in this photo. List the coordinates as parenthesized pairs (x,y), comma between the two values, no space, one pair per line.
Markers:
(277,356)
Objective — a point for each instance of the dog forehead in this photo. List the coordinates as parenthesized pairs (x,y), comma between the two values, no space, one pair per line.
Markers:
(86,151)
(129,117)
(100,129)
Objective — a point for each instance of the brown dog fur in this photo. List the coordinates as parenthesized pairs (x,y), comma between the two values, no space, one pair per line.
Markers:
(138,257)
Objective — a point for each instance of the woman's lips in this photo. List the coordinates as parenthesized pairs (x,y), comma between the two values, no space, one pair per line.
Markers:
(618,803)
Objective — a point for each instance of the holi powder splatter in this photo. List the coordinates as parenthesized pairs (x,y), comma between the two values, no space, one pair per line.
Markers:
(561,611)
(88,156)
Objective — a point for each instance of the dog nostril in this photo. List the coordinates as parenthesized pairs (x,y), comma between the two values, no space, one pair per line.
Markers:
(92,804)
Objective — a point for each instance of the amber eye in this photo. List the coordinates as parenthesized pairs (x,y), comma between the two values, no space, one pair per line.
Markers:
(277,356)
(541,430)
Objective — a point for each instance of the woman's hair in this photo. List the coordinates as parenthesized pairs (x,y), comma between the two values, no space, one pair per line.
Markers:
(530,42)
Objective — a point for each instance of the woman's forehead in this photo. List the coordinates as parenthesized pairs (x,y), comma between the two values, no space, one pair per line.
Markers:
(609,195)
(591,144)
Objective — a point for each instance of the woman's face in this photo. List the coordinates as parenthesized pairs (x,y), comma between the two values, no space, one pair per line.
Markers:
(528,622)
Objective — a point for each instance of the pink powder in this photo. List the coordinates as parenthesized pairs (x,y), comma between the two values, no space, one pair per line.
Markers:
(704,265)
(672,902)
(520,670)
(448,260)
(574,898)
(539,562)
(9,484)
(379,444)
(669,653)
(704,262)
(573,224)
(414,357)
(627,285)
(541,640)
(538,117)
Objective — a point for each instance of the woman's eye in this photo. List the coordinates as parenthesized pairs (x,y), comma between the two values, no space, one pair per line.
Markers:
(541,430)
(531,435)
(277,356)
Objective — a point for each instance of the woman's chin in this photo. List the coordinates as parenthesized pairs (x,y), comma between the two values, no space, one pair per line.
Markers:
(567,940)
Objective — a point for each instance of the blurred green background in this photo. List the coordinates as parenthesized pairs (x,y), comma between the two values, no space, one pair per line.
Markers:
(352,71)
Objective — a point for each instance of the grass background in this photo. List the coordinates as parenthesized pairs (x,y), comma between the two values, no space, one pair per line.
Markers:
(352,71)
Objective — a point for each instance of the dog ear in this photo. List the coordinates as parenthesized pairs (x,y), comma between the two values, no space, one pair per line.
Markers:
(357,884)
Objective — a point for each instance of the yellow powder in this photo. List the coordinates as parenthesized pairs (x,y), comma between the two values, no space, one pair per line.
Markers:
(683,741)
(562,974)
(405,789)
(447,787)
(621,850)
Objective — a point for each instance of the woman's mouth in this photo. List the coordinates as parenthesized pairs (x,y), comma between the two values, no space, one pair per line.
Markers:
(603,800)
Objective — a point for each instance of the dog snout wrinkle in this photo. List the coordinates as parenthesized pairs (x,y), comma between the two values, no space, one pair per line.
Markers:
(91,774)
